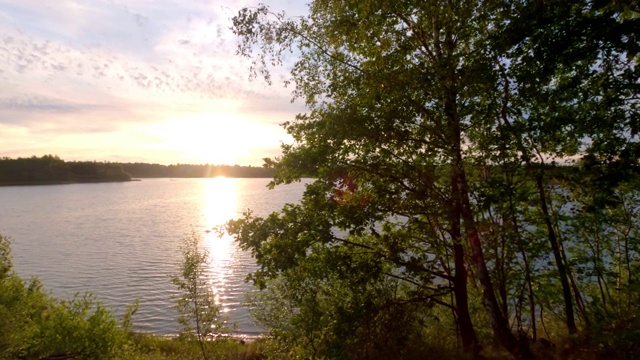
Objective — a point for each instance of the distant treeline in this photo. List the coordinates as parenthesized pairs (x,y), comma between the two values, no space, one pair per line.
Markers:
(143,170)
(50,169)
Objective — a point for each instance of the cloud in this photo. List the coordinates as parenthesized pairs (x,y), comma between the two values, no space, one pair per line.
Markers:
(44,104)
(26,58)
(175,47)
(83,75)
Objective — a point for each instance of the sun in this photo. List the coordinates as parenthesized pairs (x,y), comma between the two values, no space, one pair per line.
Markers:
(218,138)
(212,138)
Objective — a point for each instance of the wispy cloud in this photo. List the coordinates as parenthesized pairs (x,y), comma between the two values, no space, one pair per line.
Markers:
(179,68)
(43,104)
(108,70)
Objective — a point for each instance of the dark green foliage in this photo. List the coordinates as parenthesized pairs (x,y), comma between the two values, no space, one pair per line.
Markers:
(478,156)
(339,305)
(150,347)
(51,169)
(142,170)
(33,325)
(6,262)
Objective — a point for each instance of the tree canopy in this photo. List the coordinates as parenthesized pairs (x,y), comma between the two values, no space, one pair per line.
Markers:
(50,169)
(462,148)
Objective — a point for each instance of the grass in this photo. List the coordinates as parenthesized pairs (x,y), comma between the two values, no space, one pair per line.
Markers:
(153,347)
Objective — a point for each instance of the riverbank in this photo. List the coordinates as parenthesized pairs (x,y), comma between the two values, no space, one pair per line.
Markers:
(148,346)
(60,182)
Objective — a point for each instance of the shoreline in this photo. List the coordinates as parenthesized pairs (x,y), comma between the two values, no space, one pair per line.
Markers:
(61,182)
(69,182)
(239,337)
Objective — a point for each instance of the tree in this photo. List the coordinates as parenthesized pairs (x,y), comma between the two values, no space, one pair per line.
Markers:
(6,263)
(199,315)
(568,87)
(415,107)
(395,132)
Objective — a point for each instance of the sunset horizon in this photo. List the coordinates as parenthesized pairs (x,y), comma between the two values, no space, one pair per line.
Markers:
(136,82)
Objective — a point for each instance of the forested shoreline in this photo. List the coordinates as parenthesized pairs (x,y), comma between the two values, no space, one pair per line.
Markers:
(51,169)
(144,170)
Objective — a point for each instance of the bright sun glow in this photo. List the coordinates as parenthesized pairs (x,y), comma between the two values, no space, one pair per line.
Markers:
(212,140)
(217,138)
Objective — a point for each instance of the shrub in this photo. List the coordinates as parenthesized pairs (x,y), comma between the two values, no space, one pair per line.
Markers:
(35,325)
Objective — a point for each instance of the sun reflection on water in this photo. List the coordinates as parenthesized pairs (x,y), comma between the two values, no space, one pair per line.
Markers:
(221,201)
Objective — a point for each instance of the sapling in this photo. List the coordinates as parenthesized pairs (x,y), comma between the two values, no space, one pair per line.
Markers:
(199,315)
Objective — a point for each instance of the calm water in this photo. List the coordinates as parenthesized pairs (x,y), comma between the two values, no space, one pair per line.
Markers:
(121,240)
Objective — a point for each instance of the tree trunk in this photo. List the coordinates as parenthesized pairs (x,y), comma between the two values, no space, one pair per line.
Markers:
(499,323)
(527,269)
(527,274)
(470,342)
(551,235)
(460,197)
(555,247)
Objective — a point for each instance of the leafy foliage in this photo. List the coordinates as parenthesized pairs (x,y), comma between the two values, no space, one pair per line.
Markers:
(199,315)
(466,153)
(52,169)
(33,325)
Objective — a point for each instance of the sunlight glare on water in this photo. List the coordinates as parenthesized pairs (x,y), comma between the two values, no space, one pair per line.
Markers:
(221,202)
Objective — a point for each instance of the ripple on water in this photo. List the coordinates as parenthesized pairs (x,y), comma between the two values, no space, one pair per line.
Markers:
(121,240)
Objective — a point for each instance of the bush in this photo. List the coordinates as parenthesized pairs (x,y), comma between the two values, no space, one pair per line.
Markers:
(35,325)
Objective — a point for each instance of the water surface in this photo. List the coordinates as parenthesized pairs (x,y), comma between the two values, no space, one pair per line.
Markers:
(121,240)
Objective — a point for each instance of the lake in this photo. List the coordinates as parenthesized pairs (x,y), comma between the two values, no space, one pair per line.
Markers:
(121,241)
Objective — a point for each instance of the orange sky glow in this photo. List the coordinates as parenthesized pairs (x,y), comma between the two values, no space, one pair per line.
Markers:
(136,81)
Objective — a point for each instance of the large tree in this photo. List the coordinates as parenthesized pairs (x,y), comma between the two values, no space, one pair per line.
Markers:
(408,102)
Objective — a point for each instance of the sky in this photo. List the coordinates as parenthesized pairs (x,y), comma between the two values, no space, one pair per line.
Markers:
(136,81)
